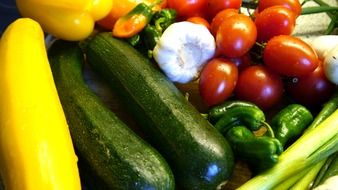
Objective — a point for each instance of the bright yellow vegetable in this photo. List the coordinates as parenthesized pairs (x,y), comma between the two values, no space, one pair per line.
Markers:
(36,151)
(66,19)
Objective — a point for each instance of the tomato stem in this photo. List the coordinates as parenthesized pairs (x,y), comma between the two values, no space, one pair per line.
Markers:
(318,9)
(333,14)
(331,27)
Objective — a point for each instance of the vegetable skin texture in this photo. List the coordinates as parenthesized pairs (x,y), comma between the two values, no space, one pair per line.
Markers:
(68,20)
(114,152)
(134,22)
(260,153)
(199,156)
(320,142)
(36,150)
(216,112)
(290,122)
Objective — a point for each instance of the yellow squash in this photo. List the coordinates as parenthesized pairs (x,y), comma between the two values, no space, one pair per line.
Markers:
(36,151)
(66,19)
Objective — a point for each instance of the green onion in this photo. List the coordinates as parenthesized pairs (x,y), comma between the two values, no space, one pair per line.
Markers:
(312,147)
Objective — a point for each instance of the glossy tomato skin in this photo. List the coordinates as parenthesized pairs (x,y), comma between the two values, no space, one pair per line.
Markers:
(219,18)
(236,36)
(215,6)
(311,90)
(260,86)
(217,81)
(199,20)
(290,56)
(293,5)
(274,21)
(188,8)
(242,62)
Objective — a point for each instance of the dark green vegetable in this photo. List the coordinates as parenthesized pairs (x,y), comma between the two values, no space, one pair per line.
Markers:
(163,19)
(328,108)
(329,169)
(250,116)
(290,122)
(308,180)
(150,35)
(260,153)
(216,112)
(120,158)
(198,154)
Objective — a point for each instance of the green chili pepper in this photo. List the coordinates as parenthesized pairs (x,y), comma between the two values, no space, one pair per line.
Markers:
(152,32)
(216,112)
(163,19)
(290,122)
(149,37)
(252,117)
(260,153)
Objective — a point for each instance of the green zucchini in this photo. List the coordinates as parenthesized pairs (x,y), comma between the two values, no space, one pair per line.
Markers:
(199,156)
(113,151)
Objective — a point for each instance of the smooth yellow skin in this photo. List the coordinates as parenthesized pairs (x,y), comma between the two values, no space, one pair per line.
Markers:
(71,20)
(36,151)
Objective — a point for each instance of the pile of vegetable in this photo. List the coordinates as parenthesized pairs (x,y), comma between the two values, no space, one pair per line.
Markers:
(268,98)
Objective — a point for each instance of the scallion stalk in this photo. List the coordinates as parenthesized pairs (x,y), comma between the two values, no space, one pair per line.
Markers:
(312,147)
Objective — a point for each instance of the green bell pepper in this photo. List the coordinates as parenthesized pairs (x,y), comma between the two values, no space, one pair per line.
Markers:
(250,116)
(290,122)
(216,112)
(260,153)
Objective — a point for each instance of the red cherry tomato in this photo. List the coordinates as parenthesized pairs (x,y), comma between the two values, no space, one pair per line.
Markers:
(219,18)
(260,86)
(188,8)
(293,5)
(274,21)
(312,89)
(290,56)
(242,62)
(236,36)
(199,20)
(215,6)
(217,81)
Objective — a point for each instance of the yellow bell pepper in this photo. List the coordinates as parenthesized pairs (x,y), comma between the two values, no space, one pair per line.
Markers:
(36,150)
(66,19)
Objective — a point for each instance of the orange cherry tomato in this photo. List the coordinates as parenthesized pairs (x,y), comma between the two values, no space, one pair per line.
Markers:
(199,20)
(215,6)
(290,56)
(259,85)
(188,8)
(217,81)
(274,21)
(236,36)
(219,18)
(293,5)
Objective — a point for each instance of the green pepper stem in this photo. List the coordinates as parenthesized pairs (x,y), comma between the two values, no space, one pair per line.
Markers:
(269,131)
